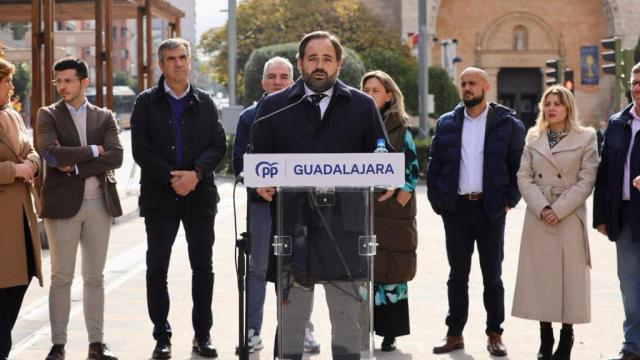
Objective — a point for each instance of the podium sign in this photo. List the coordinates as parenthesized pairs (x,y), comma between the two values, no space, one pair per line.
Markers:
(324,170)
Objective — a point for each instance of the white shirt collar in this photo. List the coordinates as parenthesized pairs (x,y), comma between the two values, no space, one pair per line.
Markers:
(328,92)
(168,90)
(82,107)
(482,115)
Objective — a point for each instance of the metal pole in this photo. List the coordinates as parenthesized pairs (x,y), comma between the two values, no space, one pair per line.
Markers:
(232,48)
(423,74)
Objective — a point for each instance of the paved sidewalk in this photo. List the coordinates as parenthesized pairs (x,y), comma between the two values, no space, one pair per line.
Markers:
(128,329)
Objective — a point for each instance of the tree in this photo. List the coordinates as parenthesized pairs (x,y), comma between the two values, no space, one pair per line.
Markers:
(267,22)
(445,93)
(403,70)
(351,71)
(22,80)
(637,51)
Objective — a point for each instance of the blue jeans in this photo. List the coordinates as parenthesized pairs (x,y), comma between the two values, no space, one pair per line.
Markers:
(628,253)
(258,262)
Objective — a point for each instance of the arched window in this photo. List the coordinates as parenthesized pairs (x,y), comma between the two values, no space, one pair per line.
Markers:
(520,38)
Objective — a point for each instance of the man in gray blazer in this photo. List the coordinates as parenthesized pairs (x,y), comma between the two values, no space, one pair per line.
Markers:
(80,143)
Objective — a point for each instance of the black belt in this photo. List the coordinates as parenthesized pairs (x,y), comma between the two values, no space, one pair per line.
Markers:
(472,196)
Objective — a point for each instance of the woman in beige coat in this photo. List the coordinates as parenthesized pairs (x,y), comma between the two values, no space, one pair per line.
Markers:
(19,239)
(557,174)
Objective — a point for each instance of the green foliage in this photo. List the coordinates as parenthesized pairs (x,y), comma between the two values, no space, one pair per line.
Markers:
(403,68)
(351,72)
(637,51)
(445,93)
(266,22)
(224,168)
(22,80)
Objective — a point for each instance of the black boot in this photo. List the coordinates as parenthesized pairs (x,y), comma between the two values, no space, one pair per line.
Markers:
(563,352)
(546,342)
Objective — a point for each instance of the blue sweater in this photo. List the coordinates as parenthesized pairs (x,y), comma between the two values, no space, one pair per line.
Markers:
(177,108)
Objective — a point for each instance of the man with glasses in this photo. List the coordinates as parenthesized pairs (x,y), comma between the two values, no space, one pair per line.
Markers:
(616,204)
(80,143)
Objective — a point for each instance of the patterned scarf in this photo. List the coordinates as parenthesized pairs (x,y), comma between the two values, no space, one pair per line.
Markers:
(556,136)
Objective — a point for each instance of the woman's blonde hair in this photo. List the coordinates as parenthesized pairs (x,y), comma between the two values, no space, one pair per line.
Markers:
(566,98)
(6,68)
(396,103)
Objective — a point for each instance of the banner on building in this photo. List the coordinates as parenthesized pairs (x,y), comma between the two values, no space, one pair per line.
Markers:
(589,68)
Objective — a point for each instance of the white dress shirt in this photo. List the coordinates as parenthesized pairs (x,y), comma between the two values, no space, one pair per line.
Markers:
(626,180)
(92,186)
(168,90)
(472,153)
(324,103)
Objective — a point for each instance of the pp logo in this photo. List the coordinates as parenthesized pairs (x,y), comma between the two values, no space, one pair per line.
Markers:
(265,168)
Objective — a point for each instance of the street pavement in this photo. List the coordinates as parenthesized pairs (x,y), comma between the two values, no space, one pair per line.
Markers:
(128,328)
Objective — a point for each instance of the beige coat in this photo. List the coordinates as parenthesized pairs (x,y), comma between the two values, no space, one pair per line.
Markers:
(15,197)
(553,282)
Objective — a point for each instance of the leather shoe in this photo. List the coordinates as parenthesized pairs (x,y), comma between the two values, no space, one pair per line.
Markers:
(495,345)
(162,350)
(56,353)
(100,351)
(388,344)
(204,348)
(449,344)
(626,355)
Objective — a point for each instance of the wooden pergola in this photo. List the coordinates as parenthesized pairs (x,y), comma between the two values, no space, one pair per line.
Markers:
(42,14)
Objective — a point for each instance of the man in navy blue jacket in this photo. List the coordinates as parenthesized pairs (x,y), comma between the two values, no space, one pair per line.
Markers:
(320,114)
(178,141)
(616,205)
(471,183)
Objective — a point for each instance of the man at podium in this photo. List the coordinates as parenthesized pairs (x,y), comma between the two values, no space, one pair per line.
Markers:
(319,114)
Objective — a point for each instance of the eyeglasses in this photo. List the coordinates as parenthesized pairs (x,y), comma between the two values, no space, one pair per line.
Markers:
(633,83)
(66,82)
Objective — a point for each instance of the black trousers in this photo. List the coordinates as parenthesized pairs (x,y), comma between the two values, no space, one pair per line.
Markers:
(469,224)
(11,298)
(161,234)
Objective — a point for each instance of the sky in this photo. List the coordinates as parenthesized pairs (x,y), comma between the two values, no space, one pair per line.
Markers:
(209,14)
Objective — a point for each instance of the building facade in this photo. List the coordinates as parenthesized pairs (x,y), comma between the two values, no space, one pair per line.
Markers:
(512,39)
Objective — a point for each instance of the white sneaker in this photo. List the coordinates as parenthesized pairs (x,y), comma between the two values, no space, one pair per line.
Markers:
(254,341)
(311,346)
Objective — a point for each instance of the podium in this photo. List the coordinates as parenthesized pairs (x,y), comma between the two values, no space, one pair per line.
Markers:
(324,238)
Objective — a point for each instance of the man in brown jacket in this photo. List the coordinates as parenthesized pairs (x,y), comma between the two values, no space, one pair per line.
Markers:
(80,143)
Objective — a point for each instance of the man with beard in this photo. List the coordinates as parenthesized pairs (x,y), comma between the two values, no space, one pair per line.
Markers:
(319,114)
(471,183)
(616,205)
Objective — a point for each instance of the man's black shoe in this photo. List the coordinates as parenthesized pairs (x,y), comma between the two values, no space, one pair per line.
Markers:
(56,353)
(162,350)
(100,351)
(203,347)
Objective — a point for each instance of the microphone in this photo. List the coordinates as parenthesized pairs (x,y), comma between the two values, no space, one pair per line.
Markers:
(281,110)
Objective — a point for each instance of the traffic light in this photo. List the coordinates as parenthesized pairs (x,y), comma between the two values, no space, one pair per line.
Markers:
(568,80)
(615,66)
(554,75)
(614,56)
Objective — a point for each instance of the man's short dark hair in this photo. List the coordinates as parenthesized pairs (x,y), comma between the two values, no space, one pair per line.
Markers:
(319,35)
(636,68)
(170,44)
(75,63)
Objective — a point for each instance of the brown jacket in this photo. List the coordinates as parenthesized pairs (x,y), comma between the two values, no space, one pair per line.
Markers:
(16,203)
(62,194)
(553,281)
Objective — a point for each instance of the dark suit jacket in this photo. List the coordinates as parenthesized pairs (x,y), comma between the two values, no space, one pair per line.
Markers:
(607,196)
(503,145)
(154,149)
(62,194)
(351,124)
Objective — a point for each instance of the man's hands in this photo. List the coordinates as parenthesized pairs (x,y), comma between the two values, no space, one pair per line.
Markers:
(636,182)
(549,216)
(25,171)
(266,192)
(602,229)
(184,182)
(100,150)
